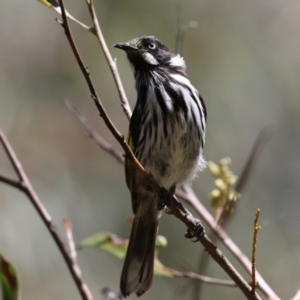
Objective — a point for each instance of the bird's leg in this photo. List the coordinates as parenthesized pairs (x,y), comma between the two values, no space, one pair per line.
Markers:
(165,196)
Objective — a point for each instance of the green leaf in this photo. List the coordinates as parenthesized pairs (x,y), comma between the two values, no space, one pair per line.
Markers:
(8,280)
(116,246)
(106,241)
(111,243)
(50,3)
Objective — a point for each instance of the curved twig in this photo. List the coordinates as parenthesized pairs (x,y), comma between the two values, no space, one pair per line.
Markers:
(112,63)
(24,185)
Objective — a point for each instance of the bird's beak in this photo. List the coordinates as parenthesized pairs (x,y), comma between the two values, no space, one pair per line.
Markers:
(125,46)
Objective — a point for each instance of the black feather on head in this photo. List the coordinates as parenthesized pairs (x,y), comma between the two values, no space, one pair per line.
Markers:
(147,52)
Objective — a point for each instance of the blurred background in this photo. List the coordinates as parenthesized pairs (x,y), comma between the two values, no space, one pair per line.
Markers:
(244,59)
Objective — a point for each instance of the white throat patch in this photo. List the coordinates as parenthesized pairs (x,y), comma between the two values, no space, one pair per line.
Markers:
(177,61)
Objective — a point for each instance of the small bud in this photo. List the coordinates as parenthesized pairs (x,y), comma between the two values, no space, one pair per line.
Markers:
(214,169)
(215,197)
(221,185)
(226,161)
(215,194)
(161,241)
(232,179)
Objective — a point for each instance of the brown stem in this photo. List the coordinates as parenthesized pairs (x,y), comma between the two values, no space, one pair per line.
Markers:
(101,142)
(189,197)
(254,243)
(24,185)
(112,63)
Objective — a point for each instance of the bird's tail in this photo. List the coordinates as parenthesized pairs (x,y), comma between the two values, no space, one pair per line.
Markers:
(137,271)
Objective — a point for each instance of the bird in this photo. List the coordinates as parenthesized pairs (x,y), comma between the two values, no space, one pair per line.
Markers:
(166,134)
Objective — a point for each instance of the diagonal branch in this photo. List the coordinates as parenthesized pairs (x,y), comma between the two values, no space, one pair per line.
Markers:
(99,140)
(246,172)
(202,278)
(24,185)
(112,63)
(188,195)
(260,142)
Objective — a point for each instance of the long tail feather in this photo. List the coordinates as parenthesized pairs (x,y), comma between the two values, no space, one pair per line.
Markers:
(137,271)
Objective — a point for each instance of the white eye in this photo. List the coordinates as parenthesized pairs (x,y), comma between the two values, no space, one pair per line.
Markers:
(151,46)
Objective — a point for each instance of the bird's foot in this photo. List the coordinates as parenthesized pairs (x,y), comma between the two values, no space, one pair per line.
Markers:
(196,232)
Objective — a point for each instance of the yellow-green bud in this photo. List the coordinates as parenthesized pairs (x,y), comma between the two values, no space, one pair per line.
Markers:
(221,185)
(225,161)
(214,169)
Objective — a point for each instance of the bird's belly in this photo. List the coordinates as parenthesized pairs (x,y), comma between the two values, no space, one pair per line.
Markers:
(174,158)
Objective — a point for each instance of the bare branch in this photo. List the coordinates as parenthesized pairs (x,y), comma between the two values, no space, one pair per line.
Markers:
(101,142)
(254,243)
(188,195)
(247,170)
(203,278)
(112,63)
(260,142)
(24,185)
(69,229)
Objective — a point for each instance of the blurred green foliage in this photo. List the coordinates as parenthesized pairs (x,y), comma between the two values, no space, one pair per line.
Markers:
(9,284)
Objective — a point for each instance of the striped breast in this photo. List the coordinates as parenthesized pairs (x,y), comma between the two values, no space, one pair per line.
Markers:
(168,130)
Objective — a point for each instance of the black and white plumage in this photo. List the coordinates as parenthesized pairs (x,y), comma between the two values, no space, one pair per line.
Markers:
(166,133)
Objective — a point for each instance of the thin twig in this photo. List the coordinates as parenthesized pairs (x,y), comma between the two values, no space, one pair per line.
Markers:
(188,195)
(100,141)
(254,243)
(111,62)
(246,172)
(260,142)
(69,233)
(24,185)
(202,278)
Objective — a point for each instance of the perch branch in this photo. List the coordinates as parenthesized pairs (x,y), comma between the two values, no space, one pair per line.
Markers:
(188,195)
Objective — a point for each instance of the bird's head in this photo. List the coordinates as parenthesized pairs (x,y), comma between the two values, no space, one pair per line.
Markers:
(147,52)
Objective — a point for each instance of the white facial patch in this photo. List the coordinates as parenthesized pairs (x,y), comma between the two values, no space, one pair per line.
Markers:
(177,61)
(149,58)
